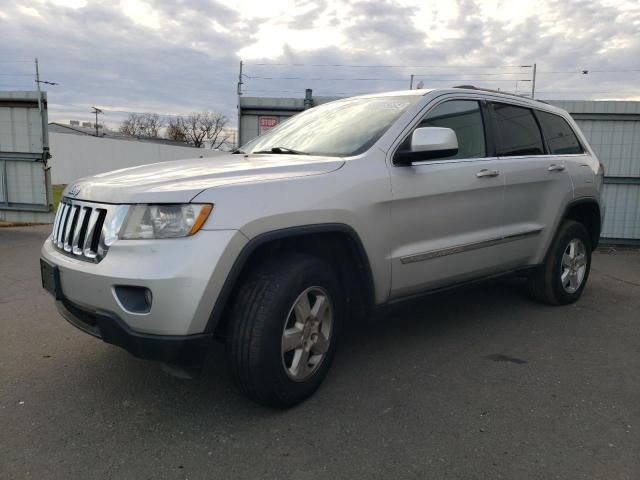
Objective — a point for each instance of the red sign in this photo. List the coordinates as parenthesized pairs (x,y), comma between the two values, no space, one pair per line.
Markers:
(266,123)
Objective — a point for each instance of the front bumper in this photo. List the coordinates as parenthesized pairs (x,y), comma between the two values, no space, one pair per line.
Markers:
(188,350)
(185,276)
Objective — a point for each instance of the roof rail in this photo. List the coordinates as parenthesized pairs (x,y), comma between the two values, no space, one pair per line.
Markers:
(472,87)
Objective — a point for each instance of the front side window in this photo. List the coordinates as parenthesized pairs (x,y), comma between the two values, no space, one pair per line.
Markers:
(517,131)
(341,128)
(560,137)
(464,118)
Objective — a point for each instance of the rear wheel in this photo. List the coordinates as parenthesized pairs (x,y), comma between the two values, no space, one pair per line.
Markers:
(284,325)
(564,273)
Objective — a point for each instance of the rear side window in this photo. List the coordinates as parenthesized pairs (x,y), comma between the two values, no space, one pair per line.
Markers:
(518,132)
(560,138)
(464,118)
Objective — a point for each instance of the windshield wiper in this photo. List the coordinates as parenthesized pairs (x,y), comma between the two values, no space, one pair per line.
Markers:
(237,150)
(282,150)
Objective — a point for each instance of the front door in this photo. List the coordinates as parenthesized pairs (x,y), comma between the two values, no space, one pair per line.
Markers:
(446,213)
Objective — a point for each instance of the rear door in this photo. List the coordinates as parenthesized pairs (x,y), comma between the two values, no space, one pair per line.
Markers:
(537,184)
(446,213)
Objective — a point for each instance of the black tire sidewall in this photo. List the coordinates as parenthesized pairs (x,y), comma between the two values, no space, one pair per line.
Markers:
(292,277)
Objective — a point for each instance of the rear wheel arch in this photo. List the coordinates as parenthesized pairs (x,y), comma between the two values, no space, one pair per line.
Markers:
(338,244)
(587,212)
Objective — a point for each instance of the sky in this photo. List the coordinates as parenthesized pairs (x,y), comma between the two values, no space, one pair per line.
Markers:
(176,57)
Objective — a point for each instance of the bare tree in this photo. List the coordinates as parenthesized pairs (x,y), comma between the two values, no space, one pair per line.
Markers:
(198,129)
(142,125)
(175,130)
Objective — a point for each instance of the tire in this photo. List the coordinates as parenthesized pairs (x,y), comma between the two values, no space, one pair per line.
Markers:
(269,304)
(561,280)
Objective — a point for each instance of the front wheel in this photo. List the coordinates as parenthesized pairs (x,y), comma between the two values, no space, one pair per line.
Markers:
(563,275)
(284,326)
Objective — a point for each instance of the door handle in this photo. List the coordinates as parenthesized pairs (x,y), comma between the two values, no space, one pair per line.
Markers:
(487,173)
(555,168)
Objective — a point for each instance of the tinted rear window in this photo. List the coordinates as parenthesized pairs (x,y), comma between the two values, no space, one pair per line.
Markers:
(560,137)
(518,132)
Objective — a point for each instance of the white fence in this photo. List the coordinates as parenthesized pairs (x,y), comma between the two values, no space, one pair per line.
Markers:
(76,156)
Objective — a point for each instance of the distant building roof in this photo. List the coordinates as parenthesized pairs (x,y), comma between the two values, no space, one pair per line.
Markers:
(57,127)
(280,103)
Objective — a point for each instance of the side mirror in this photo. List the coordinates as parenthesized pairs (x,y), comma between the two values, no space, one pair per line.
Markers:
(428,143)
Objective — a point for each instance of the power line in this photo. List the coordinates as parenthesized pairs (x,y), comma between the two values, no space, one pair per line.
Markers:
(373,79)
(318,93)
(108,110)
(379,66)
(596,70)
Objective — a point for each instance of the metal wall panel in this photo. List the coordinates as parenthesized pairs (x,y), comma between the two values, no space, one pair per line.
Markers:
(3,183)
(616,143)
(26,183)
(613,131)
(622,219)
(24,178)
(20,125)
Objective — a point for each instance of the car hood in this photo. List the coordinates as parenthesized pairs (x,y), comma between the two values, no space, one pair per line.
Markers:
(180,181)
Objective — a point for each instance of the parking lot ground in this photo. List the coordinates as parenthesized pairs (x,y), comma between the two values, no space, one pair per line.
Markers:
(480,383)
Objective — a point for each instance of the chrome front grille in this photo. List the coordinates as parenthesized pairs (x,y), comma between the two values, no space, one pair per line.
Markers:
(85,230)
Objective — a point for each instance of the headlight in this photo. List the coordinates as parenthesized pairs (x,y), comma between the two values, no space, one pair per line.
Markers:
(164,221)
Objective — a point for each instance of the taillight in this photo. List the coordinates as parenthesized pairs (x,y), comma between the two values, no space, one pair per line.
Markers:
(601,169)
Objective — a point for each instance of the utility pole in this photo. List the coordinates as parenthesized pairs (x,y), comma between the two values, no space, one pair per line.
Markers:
(240,83)
(411,82)
(38,81)
(37,75)
(533,82)
(96,110)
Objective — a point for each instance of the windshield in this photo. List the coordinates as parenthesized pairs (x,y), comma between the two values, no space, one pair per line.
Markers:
(341,128)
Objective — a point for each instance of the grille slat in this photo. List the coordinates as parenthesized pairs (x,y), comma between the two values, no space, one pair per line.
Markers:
(95,241)
(56,222)
(80,228)
(71,225)
(62,226)
(63,209)
(78,235)
(91,229)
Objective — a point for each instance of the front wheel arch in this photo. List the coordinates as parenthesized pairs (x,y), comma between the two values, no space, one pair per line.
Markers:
(337,243)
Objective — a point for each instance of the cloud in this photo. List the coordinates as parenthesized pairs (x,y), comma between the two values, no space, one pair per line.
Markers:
(175,57)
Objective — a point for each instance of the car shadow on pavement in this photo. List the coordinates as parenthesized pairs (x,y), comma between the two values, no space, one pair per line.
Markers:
(423,331)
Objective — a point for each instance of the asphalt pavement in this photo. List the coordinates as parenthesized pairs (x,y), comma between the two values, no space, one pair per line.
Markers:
(480,383)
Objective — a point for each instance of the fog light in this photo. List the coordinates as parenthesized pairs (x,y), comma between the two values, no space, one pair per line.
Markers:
(134,299)
(148,297)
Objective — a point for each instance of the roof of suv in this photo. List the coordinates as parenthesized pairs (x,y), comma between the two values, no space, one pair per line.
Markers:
(469,89)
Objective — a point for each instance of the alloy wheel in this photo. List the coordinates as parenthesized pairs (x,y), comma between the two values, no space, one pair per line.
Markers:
(307,333)
(574,265)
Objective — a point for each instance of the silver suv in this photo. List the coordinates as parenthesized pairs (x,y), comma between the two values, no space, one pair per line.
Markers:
(342,209)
